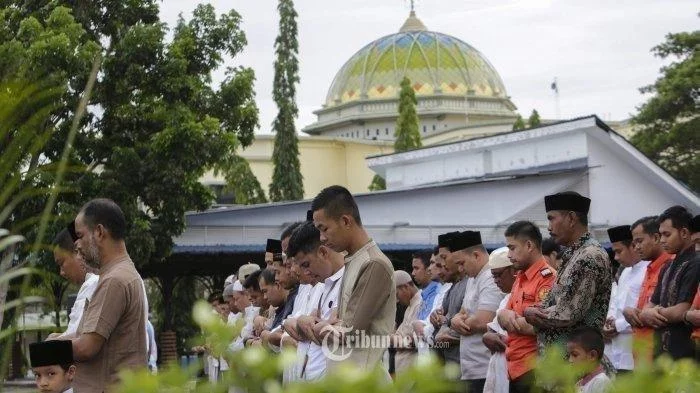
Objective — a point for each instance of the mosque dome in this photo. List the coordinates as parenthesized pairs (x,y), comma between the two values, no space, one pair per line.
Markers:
(436,64)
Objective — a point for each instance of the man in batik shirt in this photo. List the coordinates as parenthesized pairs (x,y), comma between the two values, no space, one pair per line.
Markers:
(580,295)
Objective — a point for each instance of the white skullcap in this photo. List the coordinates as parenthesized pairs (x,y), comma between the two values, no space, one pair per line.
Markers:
(229,280)
(401,277)
(499,258)
(237,286)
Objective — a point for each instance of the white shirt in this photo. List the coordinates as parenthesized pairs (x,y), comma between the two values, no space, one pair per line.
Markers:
(84,295)
(304,304)
(249,315)
(428,328)
(481,294)
(625,294)
(599,384)
(316,362)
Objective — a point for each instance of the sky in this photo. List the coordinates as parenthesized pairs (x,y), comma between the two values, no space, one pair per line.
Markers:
(599,50)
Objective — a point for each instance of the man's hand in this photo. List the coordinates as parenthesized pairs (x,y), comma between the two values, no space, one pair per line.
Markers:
(631,315)
(259,325)
(418,328)
(508,320)
(459,324)
(305,326)
(693,317)
(437,318)
(651,316)
(445,336)
(494,342)
(534,316)
(609,331)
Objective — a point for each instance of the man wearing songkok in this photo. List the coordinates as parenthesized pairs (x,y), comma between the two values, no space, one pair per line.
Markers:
(677,286)
(451,304)
(52,365)
(481,300)
(581,292)
(625,294)
(407,294)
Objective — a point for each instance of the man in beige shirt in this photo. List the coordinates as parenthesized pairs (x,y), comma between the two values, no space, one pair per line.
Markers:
(367,300)
(408,294)
(111,336)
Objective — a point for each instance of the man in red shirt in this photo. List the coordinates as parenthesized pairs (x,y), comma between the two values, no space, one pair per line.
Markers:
(647,242)
(534,280)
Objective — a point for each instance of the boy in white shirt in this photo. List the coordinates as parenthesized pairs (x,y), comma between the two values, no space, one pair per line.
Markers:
(585,350)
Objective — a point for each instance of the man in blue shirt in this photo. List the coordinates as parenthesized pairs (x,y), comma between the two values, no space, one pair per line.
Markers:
(423,278)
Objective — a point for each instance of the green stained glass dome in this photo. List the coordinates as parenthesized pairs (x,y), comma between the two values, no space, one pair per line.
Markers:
(436,64)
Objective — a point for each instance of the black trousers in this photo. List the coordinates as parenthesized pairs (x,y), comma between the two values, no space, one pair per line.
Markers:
(524,383)
(475,385)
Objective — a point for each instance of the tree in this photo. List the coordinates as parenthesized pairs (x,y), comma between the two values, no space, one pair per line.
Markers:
(407,136)
(287,181)
(519,124)
(534,119)
(667,124)
(156,122)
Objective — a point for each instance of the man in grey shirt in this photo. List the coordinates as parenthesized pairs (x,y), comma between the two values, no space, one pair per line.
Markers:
(446,339)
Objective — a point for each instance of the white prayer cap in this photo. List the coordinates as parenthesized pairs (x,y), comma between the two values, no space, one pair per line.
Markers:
(229,280)
(401,277)
(499,258)
(237,286)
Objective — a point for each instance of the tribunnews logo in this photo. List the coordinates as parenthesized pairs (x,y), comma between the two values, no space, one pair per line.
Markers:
(336,350)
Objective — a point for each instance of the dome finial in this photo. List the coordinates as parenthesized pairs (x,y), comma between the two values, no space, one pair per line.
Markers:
(412,23)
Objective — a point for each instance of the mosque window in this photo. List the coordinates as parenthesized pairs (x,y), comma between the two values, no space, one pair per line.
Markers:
(387,131)
(377,131)
(425,129)
(367,132)
(433,127)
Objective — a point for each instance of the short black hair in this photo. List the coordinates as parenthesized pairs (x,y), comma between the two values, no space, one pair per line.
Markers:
(549,246)
(64,241)
(268,275)
(680,217)
(525,229)
(105,212)
(336,201)
(424,257)
(289,230)
(216,296)
(306,238)
(650,225)
(589,339)
(252,281)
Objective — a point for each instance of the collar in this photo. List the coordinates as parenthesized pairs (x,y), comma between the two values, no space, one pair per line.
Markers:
(369,244)
(686,254)
(335,277)
(431,287)
(416,299)
(535,268)
(660,260)
(583,381)
(123,259)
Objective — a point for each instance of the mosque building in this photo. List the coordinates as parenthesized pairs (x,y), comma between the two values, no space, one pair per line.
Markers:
(460,96)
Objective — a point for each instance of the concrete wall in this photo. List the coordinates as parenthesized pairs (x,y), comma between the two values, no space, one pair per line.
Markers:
(324,162)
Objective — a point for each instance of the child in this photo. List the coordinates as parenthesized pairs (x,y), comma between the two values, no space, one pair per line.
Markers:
(52,364)
(585,349)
